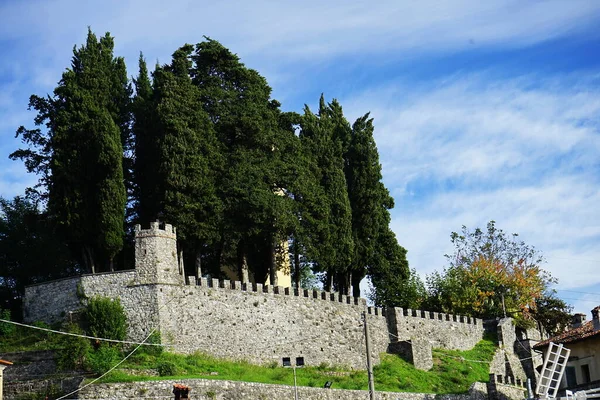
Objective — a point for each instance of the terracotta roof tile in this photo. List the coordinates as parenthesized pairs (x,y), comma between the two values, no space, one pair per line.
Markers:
(574,335)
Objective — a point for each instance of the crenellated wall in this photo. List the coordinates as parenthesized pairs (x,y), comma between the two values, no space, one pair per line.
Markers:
(251,322)
(447,331)
(262,324)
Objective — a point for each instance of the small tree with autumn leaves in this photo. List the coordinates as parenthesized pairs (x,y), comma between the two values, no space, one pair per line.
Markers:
(490,274)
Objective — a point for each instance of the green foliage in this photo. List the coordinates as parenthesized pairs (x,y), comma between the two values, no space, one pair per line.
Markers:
(453,371)
(6,329)
(74,351)
(24,339)
(332,248)
(154,351)
(166,368)
(394,290)
(393,285)
(552,313)
(376,250)
(490,273)
(106,318)
(30,251)
(80,155)
(103,358)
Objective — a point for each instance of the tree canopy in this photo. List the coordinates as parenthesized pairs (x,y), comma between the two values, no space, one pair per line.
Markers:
(80,155)
(200,143)
(490,274)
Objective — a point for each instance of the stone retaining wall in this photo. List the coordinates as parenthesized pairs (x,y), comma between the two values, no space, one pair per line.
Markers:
(202,389)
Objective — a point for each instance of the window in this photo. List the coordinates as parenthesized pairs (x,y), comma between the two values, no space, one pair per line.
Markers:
(585,373)
(571,377)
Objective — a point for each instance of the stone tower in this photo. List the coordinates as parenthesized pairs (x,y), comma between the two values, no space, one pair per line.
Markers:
(156,255)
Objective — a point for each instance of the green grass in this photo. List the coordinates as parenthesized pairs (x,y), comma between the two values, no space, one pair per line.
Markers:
(27,339)
(451,373)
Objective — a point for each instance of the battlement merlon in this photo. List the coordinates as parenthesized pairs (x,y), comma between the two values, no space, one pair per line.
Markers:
(156,259)
(169,231)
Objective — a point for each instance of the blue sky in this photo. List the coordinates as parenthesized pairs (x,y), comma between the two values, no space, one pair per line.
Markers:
(483,110)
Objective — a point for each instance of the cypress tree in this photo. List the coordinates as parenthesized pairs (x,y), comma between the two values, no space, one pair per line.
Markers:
(188,160)
(257,210)
(333,251)
(145,138)
(369,199)
(80,155)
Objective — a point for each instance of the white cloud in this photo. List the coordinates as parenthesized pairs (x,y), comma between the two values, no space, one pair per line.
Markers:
(480,131)
(461,150)
(288,31)
(522,152)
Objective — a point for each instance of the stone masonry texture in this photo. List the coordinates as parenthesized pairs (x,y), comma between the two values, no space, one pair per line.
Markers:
(202,389)
(257,323)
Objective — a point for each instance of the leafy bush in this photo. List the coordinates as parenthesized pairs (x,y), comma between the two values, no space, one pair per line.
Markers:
(6,329)
(166,368)
(106,318)
(74,350)
(103,358)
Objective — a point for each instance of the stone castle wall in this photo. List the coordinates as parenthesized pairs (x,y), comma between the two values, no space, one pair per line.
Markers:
(257,323)
(262,327)
(53,301)
(254,323)
(446,331)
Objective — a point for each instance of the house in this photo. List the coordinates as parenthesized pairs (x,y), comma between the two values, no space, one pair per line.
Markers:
(583,367)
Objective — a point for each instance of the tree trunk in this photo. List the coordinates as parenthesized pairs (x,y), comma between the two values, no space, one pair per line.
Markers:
(356,285)
(296,264)
(111,265)
(329,283)
(198,264)
(350,287)
(272,262)
(88,260)
(242,261)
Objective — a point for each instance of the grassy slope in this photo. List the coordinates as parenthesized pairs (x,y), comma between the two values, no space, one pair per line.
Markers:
(451,372)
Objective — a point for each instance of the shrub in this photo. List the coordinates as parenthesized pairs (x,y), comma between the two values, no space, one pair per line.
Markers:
(74,350)
(103,358)
(6,329)
(106,318)
(166,368)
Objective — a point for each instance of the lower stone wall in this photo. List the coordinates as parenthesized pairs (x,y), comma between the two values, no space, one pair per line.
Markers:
(202,389)
(40,388)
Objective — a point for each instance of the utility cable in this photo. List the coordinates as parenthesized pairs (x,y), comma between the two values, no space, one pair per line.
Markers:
(120,362)
(109,371)
(84,336)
